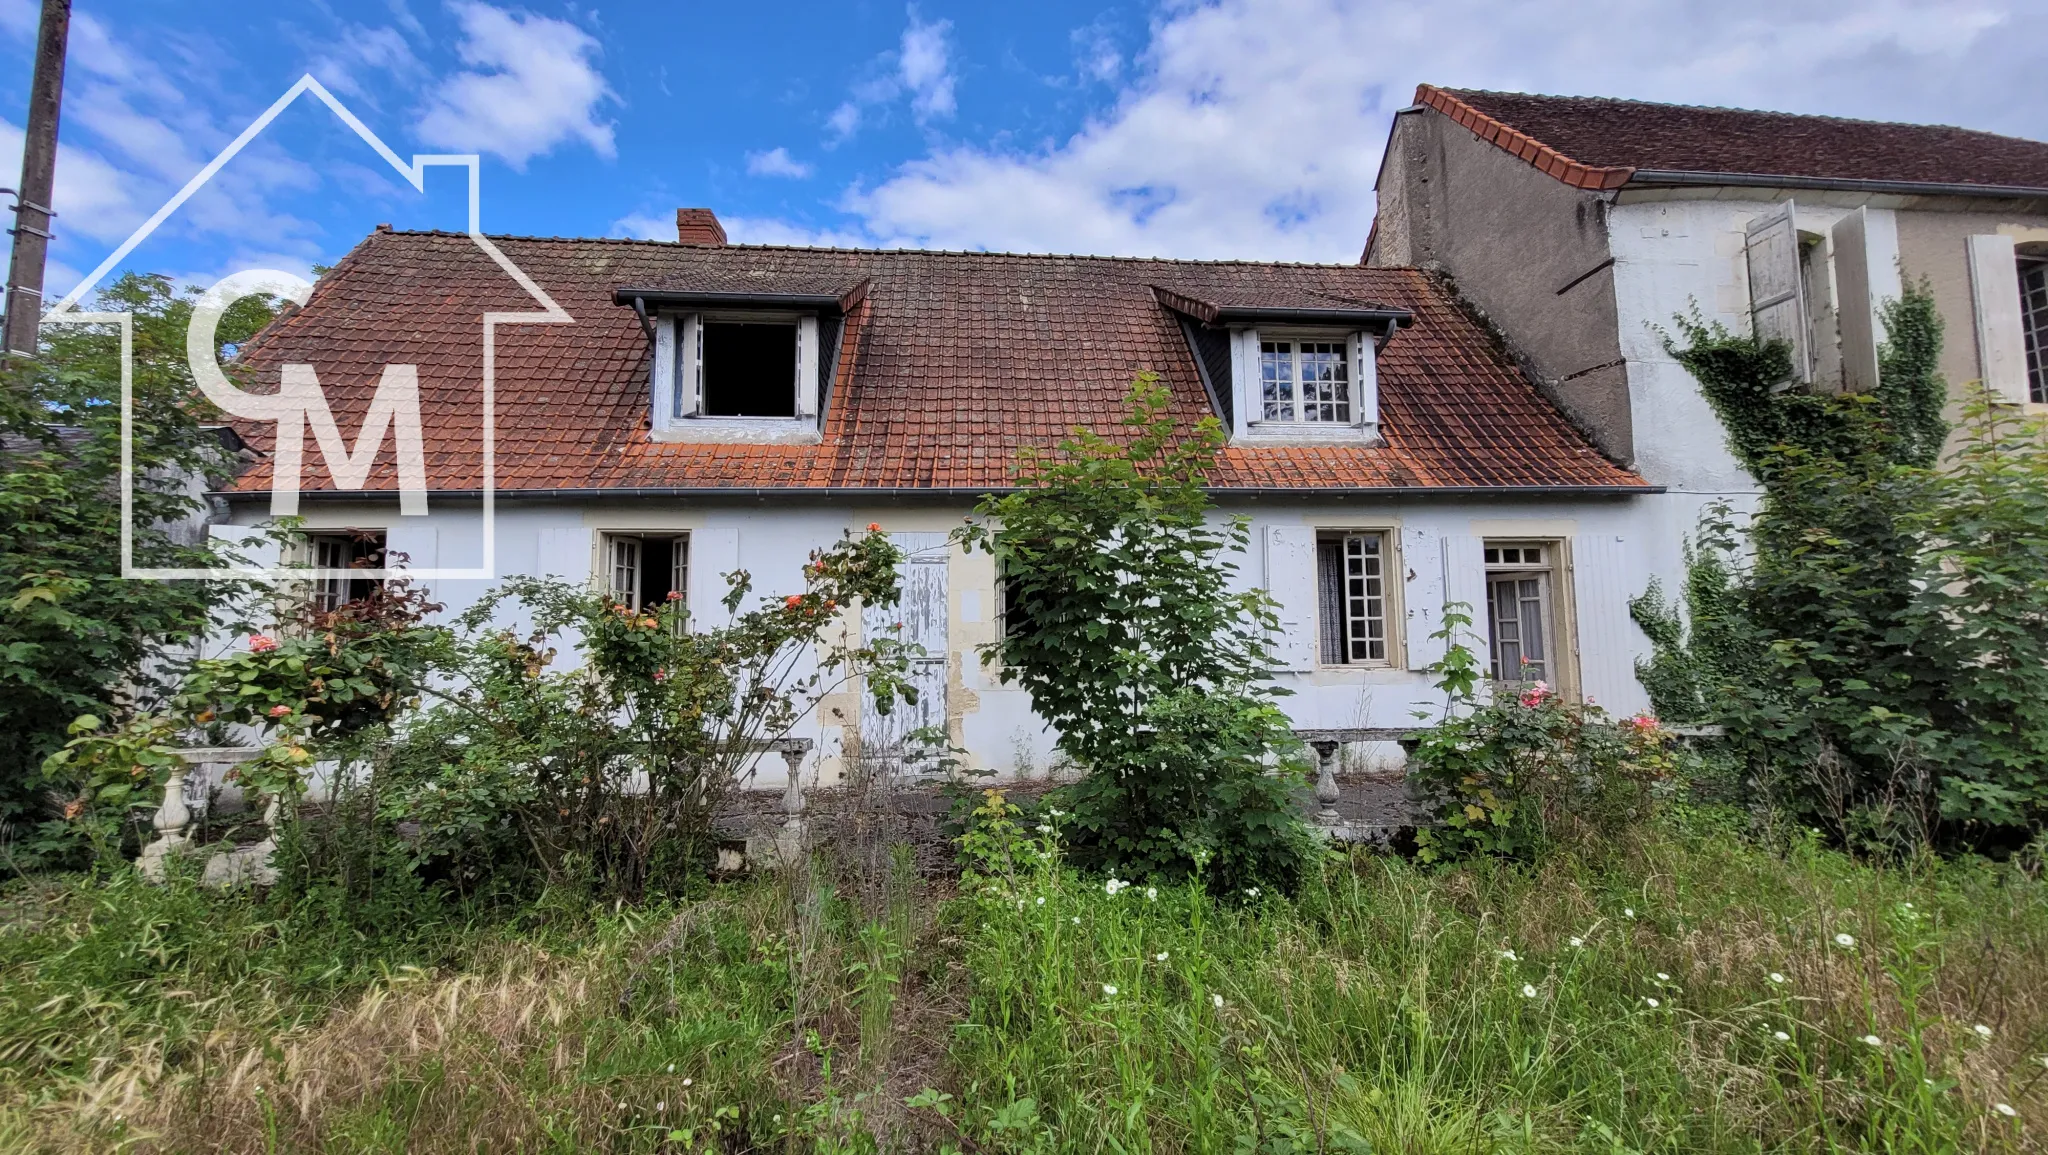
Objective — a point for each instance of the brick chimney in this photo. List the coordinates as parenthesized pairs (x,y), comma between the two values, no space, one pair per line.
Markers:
(699,227)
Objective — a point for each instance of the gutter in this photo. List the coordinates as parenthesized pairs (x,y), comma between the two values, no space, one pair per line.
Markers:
(1673,178)
(847,493)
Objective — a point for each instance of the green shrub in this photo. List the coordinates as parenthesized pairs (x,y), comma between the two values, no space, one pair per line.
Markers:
(1156,677)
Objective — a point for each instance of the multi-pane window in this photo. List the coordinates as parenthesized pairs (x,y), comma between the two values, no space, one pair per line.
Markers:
(1013,612)
(1518,614)
(2034,325)
(343,551)
(643,570)
(1351,598)
(1305,381)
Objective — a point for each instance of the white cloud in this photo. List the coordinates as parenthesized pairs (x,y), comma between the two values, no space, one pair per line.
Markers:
(776,162)
(1252,128)
(924,62)
(767,231)
(533,84)
(644,227)
(360,51)
(92,196)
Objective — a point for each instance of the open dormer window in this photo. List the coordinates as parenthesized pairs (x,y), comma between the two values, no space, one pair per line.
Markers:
(749,369)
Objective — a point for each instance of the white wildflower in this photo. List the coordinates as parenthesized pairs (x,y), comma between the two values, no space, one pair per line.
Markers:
(686,1082)
(671,1068)
(1041,900)
(1253,891)
(1151,894)
(1654,1004)
(1045,828)
(1077,920)
(1508,955)
(1776,977)
(1873,1040)
(1983,1032)
(1160,957)
(2006,1110)
(1628,912)
(1109,989)
(1528,990)
(1844,940)
(1781,1036)
(662,1106)
(1216,1001)
(1662,977)
(1577,941)
(1113,886)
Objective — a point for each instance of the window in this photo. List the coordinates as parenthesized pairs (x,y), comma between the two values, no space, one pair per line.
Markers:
(1518,620)
(749,369)
(343,551)
(2034,324)
(1305,381)
(1351,598)
(644,569)
(1014,615)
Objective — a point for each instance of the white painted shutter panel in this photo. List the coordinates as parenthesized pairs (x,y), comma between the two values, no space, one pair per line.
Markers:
(565,553)
(1422,594)
(923,612)
(257,551)
(1291,580)
(1465,581)
(1855,302)
(714,553)
(1777,294)
(1995,295)
(419,543)
(1604,578)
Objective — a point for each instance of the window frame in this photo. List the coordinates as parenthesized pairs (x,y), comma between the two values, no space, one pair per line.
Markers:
(1388,597)
(677,397)
(1248,407)
(1295,347)
(607,542)
(1550,573)
(2034,322)
(325,594)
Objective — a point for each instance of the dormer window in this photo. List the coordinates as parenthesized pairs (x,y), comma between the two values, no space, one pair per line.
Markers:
(1305,381)
(1280,373)
(748,369)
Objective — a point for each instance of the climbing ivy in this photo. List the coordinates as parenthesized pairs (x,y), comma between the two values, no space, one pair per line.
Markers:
(1860,678)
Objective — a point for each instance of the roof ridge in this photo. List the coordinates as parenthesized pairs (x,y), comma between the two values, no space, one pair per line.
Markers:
(1736,108)
(910,251)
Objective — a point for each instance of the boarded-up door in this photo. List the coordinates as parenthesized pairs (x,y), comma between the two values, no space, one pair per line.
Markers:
(922,613)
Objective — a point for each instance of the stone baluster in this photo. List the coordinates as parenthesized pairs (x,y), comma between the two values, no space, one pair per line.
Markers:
(172,818)
(1326,782)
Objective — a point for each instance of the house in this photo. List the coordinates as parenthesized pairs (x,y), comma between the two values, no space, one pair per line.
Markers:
(1581,227)
(713,407)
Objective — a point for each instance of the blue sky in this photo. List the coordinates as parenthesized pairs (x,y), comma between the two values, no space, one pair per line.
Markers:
(1236,128)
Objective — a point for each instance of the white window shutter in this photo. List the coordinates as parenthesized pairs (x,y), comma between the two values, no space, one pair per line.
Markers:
(565,553)
(1422,594)
(1777,300)
(1464,562)
(419,543)
(1291,580)
(662,392)
(807,367)
(1366,380)
(1604,577)
(1995,297)
(690,364)
(714,553)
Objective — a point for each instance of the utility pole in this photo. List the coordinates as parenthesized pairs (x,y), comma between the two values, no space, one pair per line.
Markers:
(38,176)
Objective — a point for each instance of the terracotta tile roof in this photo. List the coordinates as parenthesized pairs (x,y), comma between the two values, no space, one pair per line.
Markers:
(1597,143)
(948,365)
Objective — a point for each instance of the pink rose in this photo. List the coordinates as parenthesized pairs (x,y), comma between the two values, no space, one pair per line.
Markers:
(280,710)
(259,644)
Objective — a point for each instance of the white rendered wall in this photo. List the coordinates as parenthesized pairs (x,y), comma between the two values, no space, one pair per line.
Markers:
(995,723)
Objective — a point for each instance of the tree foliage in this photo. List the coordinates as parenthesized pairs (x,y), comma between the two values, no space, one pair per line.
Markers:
(1154,672)
(1879,657)
(75,637)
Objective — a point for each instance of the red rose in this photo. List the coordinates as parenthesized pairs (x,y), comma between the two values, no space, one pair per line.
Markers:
(874,527)
(675,595)
(259,644)
(792,602)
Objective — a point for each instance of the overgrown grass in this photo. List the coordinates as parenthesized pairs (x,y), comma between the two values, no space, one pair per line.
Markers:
(1388,1008)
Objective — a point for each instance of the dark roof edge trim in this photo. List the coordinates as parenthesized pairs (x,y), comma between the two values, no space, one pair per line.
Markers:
(842,493)
(830,301)
(1673,178)
(1210,313)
